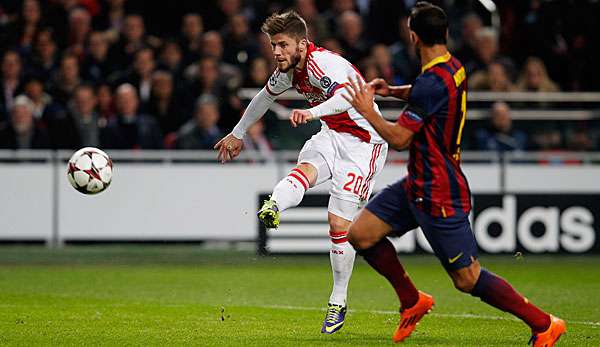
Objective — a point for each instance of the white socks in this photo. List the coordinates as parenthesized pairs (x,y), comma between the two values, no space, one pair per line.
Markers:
(342,262)
(290,190)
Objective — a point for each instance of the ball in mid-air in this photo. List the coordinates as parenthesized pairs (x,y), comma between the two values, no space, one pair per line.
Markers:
(90,170)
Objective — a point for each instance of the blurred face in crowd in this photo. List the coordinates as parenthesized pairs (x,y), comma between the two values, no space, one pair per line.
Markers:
(207,115)
(501,119)
(192,26)
(230,7)
(127,100)
(116,3)
(22,119)
(162,85)
(340,6)
(208,71)
(79,22)
(259,71)
(133,28)
(31,11)
(84,100)
(11,65)
(212,45)
(350,26)
(69,69)
(471,24)
(45,45)
(171,55)
(239,26)
(306,8)
(144,62)
(104,97)
(487,46)
(34,90)
(98,45)
(382,55)
(287,51)
(535,73)
(499,81)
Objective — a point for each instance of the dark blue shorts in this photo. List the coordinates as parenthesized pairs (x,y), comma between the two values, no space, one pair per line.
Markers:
(451,238)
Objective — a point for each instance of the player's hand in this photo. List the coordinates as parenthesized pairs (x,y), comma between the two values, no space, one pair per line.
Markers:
(229,147)
(380,87)
(300,117)
(360,95)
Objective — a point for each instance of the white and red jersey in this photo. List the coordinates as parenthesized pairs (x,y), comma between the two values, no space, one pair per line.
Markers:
(323,74)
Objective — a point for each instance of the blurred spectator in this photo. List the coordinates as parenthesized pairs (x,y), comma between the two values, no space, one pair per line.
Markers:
(404,56)
(338,7)
(259,73)
(500,136)
(83,112)
(106,107)
(45,58)
(21,34)
(10,84)
(192,27)
(41,102)
(351,36)
(383,60)
(495,78)
(201,132)
(240,45)
(111,19)
(308,10)
(470,25)
(164,105)
(140,75)
(212,47)
(224,11)
(369,69)
(486,50)
(66,79)
(266,51)
(130,129)
(80,25)
(96,67)
(132,39)
(534,77)
(255,140)
(171,59)
(580,140)
(332,44)
(22,133)
(547,138)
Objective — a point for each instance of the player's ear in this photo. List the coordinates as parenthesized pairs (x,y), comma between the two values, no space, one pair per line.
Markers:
(302,45)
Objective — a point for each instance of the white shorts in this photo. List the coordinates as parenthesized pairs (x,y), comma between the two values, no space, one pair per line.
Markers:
(351,164)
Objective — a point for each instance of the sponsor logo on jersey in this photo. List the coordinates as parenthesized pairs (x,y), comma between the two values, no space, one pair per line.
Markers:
(332,88)
(325,82)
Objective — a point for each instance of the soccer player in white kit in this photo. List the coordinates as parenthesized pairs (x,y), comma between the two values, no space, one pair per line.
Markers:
(347,150)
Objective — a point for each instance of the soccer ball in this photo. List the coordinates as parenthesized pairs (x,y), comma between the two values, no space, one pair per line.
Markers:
(90,170)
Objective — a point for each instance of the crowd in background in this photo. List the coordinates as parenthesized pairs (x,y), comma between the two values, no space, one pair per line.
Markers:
(136,74)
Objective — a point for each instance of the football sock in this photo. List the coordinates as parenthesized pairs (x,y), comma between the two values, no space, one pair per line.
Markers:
(383,258)
(495,291)
(342,256)
(290,190)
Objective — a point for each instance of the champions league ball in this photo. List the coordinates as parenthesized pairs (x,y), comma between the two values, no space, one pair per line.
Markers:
(90,170)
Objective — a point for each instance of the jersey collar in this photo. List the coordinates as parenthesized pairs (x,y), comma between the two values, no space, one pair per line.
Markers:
(441,59)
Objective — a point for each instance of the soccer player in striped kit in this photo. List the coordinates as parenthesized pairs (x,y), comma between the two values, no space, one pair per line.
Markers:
(347,151)
(435,194)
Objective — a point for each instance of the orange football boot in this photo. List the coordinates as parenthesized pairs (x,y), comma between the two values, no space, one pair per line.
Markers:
(410,317)
(549,337)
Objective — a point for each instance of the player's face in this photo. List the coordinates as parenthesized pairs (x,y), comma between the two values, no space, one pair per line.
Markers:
(287,51)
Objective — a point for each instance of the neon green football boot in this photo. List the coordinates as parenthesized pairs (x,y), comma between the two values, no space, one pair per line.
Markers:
(269,214)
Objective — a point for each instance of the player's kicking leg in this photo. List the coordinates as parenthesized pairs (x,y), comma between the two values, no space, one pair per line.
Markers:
(386,213)
(287,193)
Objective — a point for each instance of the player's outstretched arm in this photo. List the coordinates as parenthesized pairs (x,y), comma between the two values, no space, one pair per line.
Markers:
(230,146)
(361,95)
(381,88)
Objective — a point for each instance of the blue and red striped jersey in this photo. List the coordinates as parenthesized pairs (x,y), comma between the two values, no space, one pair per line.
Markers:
(436,113)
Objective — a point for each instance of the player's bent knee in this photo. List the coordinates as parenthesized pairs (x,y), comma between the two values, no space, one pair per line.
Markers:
(464,285)
(359,238)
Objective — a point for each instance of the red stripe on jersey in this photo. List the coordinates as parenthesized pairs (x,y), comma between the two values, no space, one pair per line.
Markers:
(299,180)
(312,66)
(317,67)
(342,123)
(372,169)
(302,174)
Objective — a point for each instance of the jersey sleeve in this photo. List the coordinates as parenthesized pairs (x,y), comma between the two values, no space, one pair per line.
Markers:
(278,83)
(427,96)
(330,72)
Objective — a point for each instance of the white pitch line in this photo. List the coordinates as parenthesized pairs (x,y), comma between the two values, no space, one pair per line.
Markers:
(448,315)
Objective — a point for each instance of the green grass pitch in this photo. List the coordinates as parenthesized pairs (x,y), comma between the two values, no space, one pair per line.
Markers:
(183,295)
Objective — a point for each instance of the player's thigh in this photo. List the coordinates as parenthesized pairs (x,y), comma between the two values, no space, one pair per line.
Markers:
(319,152)
(451,238)
(355,168)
